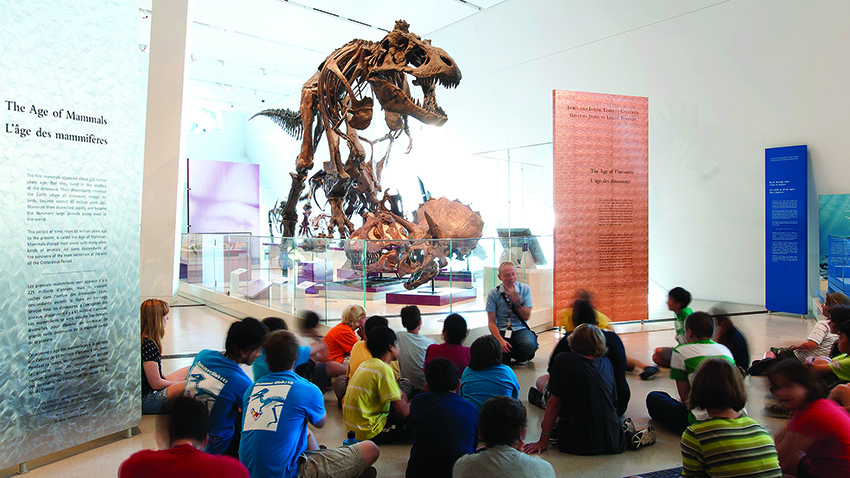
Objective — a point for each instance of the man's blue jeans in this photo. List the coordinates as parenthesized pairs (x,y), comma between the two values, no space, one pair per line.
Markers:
(523,345)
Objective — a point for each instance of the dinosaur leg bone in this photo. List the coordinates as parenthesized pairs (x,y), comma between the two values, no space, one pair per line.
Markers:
(338,219)
(308,112)
(289,215)
(333,148)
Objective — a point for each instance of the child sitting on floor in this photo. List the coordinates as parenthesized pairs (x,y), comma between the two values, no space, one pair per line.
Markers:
(412,348)
(677,302)
(818,343)
(454,333)
(375,407)
(727,443)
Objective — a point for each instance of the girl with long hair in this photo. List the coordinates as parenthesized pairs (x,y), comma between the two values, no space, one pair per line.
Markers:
(158,391)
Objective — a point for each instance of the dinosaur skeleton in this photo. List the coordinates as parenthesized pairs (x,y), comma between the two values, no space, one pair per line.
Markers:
(420,248)
(336,97)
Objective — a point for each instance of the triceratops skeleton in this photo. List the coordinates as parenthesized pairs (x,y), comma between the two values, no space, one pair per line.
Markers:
(389,243)
(336,97)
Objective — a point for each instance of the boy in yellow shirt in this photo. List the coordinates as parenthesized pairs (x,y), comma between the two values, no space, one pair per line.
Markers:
(375,408)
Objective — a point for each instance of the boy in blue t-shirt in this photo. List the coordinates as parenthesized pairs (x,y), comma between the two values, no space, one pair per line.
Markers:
(216,379)
(277,410)
(444,425)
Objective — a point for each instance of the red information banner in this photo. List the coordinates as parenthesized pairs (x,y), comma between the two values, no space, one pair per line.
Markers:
(601,187)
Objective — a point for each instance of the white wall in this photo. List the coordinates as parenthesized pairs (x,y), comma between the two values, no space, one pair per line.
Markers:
(226,144)
(725,80)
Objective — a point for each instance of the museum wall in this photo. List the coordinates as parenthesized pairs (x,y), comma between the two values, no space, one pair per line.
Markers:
(221,143)
(724,79)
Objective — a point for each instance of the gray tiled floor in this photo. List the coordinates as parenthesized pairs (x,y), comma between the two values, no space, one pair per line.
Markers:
(194,328)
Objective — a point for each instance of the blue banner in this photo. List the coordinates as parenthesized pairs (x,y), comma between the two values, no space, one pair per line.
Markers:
(785,176)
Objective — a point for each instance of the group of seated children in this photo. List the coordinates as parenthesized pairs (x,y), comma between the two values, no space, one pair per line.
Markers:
(446,397)
(262,422)
(254,420)
(719,439)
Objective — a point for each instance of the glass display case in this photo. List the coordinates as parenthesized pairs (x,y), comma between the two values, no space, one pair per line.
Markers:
(839,262)
(326,275)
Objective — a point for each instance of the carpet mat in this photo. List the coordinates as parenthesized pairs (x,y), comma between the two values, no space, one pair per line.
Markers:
(669,473)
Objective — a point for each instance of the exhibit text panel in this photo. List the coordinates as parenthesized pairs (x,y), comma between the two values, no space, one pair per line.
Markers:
(786,238)
(600,175)
(70,172)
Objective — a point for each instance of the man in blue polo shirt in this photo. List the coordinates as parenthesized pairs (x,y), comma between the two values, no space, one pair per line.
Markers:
(508,310)
(216,379)
(277,410)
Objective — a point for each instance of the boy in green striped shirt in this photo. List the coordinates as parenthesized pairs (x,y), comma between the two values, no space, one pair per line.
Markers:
(699,328)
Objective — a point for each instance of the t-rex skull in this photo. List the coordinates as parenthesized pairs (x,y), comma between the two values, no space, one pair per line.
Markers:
(402,52)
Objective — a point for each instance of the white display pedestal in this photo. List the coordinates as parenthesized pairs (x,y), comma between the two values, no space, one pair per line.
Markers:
(235,279)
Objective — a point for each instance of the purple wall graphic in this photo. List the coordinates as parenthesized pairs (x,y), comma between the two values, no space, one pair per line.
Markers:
(223,197)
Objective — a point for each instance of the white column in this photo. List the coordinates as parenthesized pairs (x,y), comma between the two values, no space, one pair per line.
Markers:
(165,168)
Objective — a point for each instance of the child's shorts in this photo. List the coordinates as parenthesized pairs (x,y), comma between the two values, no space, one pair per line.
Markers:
(155,402)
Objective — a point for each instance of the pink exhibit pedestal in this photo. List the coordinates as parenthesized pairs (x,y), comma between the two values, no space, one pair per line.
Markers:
(424,296)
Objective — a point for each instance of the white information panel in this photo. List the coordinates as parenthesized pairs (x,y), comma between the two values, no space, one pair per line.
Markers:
(70,177)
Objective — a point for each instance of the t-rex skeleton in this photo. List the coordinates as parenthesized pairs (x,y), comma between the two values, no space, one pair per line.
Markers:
(336,97)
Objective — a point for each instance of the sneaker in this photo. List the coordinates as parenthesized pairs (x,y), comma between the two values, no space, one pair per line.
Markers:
(643,437)
(776,410)
(521,362)
(758,367)
(628,425)
(649,372)
(535,397)
(553,440)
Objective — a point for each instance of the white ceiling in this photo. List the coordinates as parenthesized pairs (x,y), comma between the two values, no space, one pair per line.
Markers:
(254,54)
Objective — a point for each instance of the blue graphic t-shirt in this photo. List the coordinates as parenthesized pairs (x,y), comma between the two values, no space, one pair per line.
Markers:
(260,368)
(276,411)
(478,386)
(220,383)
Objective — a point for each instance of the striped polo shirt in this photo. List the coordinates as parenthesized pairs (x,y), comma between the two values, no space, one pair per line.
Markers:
(727,447)
(824,339)
(687,357)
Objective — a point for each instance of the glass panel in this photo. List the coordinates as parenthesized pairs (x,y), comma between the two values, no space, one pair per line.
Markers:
(326,275)
(839,261)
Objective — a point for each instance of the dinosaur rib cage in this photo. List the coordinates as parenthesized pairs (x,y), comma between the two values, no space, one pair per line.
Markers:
(333,90)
